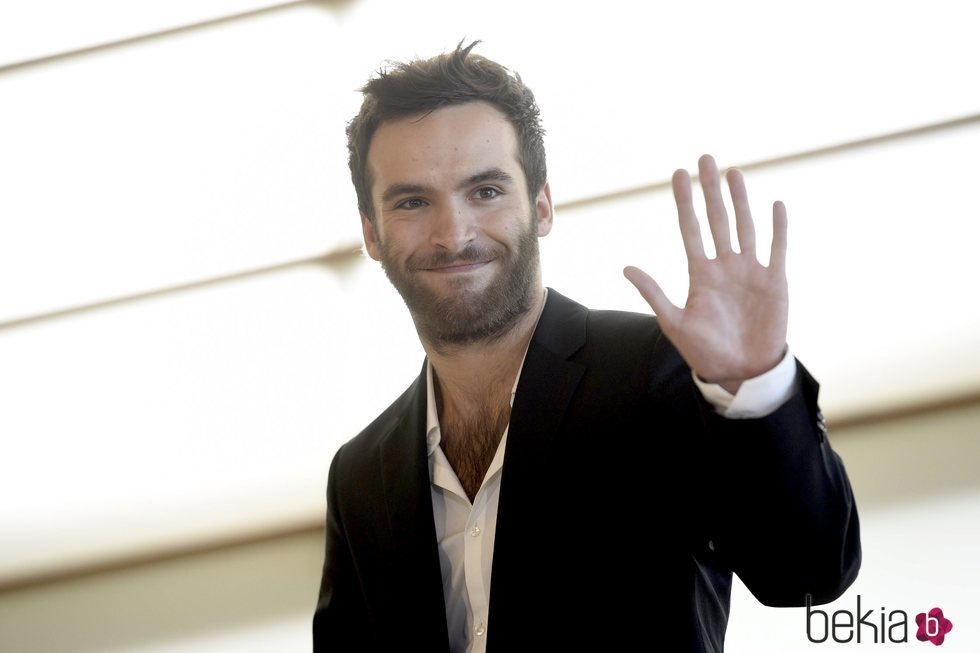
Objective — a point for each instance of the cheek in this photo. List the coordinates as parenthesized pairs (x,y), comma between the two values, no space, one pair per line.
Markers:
(397,242)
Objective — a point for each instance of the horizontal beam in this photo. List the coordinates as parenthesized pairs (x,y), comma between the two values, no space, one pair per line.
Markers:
(337,257)
(148,36)
(795,157)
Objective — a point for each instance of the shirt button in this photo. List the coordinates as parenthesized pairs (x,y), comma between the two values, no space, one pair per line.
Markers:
(474,531)
(480,630)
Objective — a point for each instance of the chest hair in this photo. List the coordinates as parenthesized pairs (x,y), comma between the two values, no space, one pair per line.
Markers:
(470,441)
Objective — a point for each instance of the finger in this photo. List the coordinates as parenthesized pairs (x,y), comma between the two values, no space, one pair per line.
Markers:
(654,295)
(715,204)
(777,257)
(688,220)
(743,215)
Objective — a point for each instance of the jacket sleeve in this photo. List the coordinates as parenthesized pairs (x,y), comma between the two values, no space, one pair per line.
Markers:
(785,519)
(341,620)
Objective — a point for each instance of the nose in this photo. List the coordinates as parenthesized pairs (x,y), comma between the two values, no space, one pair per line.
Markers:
(453,226)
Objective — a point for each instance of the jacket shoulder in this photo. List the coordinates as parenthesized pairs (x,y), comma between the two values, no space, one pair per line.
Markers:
(631,339)
(612,323)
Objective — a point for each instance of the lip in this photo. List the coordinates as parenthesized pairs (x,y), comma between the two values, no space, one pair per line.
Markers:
(458,269)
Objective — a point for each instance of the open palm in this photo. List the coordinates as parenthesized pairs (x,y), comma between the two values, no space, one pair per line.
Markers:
(733,325)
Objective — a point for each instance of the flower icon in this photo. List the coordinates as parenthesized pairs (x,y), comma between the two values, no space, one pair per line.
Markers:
(932,626)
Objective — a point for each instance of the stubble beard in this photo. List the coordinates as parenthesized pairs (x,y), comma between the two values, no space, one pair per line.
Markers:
(468,315)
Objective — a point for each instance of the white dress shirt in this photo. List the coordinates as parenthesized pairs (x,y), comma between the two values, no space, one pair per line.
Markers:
(465,531)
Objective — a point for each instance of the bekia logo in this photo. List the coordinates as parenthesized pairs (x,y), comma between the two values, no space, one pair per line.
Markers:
(933,626)
(859,627)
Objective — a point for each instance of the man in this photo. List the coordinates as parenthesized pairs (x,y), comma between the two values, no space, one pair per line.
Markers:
(558,478)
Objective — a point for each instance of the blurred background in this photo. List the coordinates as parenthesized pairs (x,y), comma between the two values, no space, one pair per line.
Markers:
(189,330)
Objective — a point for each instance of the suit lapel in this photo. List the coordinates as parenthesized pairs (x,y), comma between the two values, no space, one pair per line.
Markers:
(414,553)
(548,381)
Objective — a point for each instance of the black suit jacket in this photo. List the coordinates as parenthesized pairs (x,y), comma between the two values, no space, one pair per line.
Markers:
(626,503)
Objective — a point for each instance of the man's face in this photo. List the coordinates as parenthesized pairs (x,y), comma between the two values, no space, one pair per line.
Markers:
(454,229)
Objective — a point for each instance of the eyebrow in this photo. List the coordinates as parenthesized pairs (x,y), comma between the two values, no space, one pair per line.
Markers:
(490,174)
(396,190)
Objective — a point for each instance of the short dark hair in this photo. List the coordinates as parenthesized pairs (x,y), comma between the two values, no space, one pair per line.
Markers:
(424,85)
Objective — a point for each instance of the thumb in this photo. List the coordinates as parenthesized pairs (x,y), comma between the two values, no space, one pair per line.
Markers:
(653,294)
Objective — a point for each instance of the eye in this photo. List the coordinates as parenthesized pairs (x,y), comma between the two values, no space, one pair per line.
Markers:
(413,203)
(486,193)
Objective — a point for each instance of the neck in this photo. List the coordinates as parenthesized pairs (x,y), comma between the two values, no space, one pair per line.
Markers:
(466,372)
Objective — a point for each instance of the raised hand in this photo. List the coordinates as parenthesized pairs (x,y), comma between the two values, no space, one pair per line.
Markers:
(733,325)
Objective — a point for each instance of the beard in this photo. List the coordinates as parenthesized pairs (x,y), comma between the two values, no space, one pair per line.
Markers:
(467,314)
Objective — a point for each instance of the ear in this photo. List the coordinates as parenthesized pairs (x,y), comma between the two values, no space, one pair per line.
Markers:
(370,238)
(545,210)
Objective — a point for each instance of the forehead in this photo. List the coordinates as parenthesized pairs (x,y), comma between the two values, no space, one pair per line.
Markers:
(443,146)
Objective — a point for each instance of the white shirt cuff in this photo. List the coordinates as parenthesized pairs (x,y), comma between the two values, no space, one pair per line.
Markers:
(756,397)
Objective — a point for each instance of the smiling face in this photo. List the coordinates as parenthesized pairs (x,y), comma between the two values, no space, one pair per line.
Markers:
(454,228)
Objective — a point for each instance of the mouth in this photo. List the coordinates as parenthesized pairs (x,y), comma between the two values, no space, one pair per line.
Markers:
(458,268)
